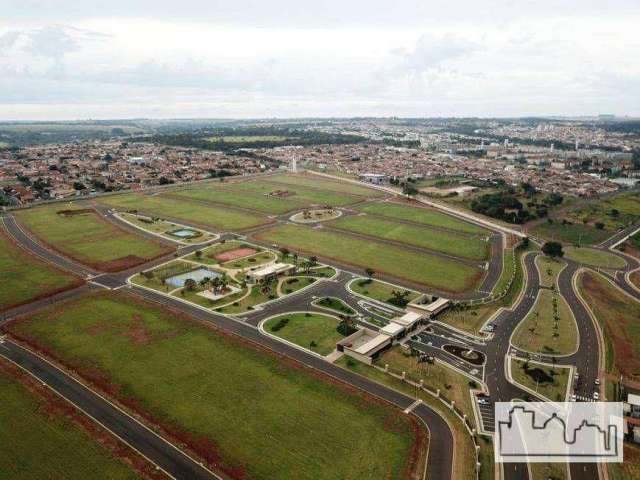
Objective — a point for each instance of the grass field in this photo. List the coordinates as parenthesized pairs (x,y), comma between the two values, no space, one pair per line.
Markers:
(551,382)
(163,228)
(546,471)
(209,253)
(287,422)
(40,441)
(630,468)
(313,331)
(219,218)
(88,238)
(26,278)
(336,305)
(438,240)
(464,459)
(325,184)
(618,316)
(627,206)
(549,327)
(256,195)
(380,291)
(595,258)
(574,234)
(424,216)
(429,270)
(259,258)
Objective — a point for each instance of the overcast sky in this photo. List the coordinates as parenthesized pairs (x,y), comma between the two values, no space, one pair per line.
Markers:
(71,59)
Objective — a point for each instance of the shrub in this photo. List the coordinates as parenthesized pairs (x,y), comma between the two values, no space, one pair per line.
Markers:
(280,324)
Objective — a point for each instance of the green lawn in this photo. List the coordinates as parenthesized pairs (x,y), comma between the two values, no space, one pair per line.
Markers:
(630,468)
(429,270)
(39,441)
(216,217)
(313,331)
(163,228)
(247,138)
(88,238)
(295,283)
(546,471)
(438,240)
(255,195)
(325,184)
(259,258)
(595,258)
(425,216)
(508,270)
(209,253)
(286,422)
(575,234)
(551,382)
(618,316)
(336,305)
(25,277)
(539,332)
(381,291)
(255,297)
(602,210)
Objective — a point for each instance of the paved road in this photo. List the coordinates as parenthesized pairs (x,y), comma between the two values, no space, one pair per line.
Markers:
(123,426)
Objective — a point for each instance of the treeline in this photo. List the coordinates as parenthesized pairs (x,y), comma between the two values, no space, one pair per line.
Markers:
(505,206)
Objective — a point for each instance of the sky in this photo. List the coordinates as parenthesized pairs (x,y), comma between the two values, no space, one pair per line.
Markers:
(70,59)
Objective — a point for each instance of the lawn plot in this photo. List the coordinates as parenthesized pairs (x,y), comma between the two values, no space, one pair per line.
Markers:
(249,412)
(335,304)
(618,316)
(265,196)
(39,439)
(594,258)
(425,269)
(424,216)
(325,184)
(25,278)
(550,382)
(438,240)
(383,292)
(570,233)
(549,327)
(314,331)
(86,237)
(169,230)
(614,212)
(223,252)
(211,216)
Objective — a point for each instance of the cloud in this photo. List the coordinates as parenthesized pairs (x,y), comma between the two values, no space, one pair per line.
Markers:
(431,52)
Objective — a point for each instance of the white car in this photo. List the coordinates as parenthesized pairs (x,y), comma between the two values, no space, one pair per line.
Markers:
(573,397)
(483,401)
(597,382)
(596,395)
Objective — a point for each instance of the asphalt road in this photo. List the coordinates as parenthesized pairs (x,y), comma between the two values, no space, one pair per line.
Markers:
(125,427)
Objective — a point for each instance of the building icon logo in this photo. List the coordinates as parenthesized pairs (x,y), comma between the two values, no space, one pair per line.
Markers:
(558,432)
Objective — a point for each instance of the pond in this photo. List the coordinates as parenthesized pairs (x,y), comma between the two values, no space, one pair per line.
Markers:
(197,275)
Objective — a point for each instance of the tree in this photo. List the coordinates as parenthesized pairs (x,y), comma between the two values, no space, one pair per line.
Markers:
(370,272)
(198,254)
(190,284)
(553,249)
(599,225)
(285,252)
(400,297)
(409,190)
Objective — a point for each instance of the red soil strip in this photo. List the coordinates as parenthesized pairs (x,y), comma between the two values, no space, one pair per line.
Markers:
(53,406)
(203,447)
(235,254)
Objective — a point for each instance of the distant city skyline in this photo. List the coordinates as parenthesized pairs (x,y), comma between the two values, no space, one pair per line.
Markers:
(68,60)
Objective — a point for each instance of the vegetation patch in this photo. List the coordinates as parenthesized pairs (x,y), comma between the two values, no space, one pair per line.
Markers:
(313,331)
(25,278)
(187,374)
(551,382)
(336,304)
(594,258)
(89,239)
(421,268)
(384,292)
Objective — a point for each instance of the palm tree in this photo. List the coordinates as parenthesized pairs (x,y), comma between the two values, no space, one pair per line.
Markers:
(370,272)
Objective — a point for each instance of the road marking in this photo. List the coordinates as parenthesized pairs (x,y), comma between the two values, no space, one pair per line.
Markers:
(410,408)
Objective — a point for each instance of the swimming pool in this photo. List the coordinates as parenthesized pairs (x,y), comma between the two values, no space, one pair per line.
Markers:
(184,233)
(197,275)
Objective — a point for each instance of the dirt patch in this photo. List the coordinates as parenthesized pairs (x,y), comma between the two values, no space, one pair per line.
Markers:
(235,254)
(281,193)
(72,213)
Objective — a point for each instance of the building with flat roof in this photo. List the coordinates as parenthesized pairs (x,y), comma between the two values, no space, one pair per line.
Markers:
(262,274)
(364,345)
(428,305)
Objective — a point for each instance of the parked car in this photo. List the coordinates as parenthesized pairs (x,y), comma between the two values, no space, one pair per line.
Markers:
(596,395)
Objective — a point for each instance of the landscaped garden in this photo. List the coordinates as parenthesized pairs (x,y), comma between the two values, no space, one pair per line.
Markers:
(169,230)
(25,278)
(314,331)
(40,438)
(425,269)
(549,327)
(83,235)
(549,381)
(336,305)
(181,375)
(474,248)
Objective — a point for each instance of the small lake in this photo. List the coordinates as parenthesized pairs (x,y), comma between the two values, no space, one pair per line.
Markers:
(197,275)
